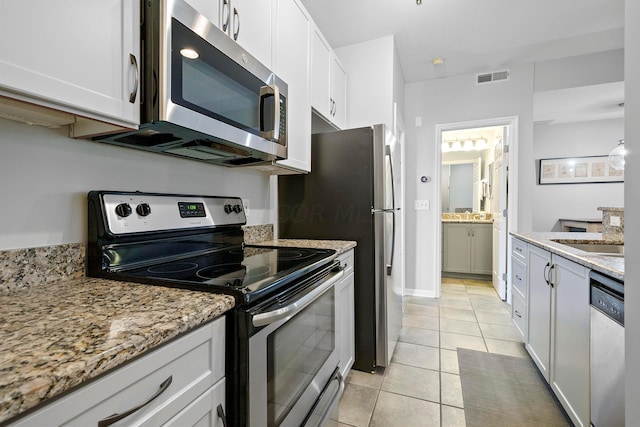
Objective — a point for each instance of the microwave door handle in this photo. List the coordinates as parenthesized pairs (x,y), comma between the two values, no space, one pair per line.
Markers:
(270,90)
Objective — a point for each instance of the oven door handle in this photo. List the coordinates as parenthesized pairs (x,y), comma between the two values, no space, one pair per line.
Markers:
(294,308)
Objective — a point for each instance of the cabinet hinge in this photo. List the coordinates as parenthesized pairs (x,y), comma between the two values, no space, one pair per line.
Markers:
(505,149)
(504,277)
(505,213)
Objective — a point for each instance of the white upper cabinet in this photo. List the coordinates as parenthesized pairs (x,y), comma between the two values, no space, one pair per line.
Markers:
(249,23)
(292,37)
(209,8)
(328,81)
(338,93)
(73,55)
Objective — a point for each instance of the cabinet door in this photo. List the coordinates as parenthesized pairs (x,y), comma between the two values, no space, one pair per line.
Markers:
(250,25)
(320,74)
(345,323)
(482,249)
(539,306)
(338,93)
(457,244)
(209,8)
(73,55)
(570,339)
(292,63)
(204,410)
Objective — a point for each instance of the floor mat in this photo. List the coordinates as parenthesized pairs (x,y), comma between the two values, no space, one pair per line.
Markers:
(502,390)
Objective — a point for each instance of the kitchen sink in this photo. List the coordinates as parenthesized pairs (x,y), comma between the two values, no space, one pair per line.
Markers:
(610,249)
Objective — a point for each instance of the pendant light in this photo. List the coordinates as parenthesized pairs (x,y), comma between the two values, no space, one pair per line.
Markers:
(616,156)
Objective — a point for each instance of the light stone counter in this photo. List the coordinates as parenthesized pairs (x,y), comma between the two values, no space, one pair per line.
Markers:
(57,336)
(468,221)
(339,246)
(610,265)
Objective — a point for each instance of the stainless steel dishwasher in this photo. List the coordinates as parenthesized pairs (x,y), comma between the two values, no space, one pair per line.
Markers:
(607,351)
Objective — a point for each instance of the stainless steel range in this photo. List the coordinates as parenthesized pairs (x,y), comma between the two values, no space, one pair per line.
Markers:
(281,357)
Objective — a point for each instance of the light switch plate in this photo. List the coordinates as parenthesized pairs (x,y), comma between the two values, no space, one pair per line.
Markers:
(422,205)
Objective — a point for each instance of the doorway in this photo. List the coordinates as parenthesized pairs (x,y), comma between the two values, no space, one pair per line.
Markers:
(477,167)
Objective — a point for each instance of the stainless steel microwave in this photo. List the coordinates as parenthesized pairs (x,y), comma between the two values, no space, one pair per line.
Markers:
(203,97)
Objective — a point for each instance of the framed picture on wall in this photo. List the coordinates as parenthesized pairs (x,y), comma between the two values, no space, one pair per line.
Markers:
(578,170)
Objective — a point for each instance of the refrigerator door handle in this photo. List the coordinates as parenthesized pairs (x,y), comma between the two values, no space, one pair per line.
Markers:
(393,208)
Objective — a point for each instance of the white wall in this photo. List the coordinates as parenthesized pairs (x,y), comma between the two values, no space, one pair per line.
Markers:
(593,138)
(449,100)
(632,209)
(45,176)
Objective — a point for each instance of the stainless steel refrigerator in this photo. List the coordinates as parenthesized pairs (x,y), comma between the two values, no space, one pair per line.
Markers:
(350,194)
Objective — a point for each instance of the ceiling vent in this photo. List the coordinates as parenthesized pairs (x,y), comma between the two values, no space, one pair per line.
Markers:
(496,76)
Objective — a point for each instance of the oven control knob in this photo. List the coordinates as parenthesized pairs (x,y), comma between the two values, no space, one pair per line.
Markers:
(123,210)
(143,209)
(237,208)
(228,208)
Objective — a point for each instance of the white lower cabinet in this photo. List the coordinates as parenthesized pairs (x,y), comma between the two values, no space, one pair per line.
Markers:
(558,328)
(345,321)
(181,383)
(467,248)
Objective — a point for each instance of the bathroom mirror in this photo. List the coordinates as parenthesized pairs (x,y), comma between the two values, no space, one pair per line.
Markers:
(461,186)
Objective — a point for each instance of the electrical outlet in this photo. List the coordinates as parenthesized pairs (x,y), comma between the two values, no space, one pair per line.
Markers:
(422,205)
(245,202)
(614,221)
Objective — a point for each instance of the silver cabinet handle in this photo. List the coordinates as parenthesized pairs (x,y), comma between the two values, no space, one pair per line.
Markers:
(221,415)
(134,93)
(117,417)
(273,135)
(517,314)
(269,317)
(225,24)
(544,274)
(236,24)
(551,269)
(518,277)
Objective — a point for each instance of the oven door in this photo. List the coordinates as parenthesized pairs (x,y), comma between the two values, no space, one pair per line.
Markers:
(293,358)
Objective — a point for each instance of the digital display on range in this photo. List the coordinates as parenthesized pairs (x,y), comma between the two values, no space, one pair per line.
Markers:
(191,210)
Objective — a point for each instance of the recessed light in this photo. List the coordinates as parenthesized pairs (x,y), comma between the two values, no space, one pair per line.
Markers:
(437,61)
(418,2)
(189,53)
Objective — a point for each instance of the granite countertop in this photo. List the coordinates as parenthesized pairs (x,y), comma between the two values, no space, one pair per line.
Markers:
(610,265)
(340,246)
(57,336)
(469,221)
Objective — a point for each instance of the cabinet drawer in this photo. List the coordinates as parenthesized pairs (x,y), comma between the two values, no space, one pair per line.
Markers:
(519,314)
(203,408)
(346,261)
(519,248)
(519,276)
(194,363)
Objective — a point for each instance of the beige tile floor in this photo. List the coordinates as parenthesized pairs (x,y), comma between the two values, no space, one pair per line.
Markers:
(421,386)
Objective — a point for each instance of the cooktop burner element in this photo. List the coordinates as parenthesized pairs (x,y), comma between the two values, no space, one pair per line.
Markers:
(204,252)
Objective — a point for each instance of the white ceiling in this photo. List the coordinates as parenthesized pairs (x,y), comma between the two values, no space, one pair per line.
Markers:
(473,35)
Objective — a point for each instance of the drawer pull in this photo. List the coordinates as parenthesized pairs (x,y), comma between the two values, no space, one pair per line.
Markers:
(518,314)
(518,277)
(222,416)
(117,417)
